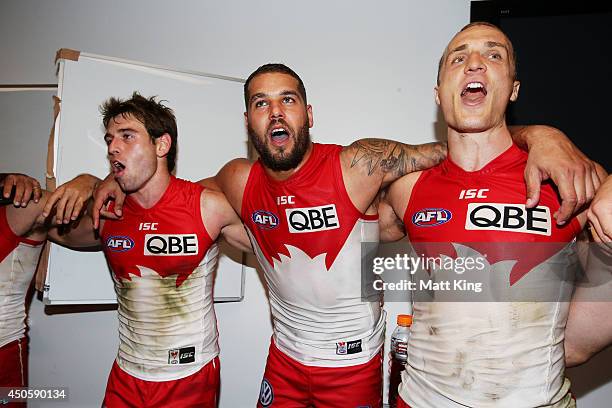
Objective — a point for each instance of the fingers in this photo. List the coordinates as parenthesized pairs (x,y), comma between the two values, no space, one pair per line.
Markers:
(53,198)
(20,189)
(533,181)
(564,180)
(97,207)
(8,186)
(119,205)
(109,214)
(60,208)
(26,188)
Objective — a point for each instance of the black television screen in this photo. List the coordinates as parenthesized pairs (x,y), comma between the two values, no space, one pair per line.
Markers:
(564,60)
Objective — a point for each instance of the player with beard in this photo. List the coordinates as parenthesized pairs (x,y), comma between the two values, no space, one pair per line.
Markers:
(307,208)
(500,353)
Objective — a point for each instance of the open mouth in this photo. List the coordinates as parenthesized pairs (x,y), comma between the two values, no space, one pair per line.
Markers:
(474,93)
(279,135)
(117,166)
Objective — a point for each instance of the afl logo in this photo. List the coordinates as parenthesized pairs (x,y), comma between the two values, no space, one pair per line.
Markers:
(266,394)
(430,217)
(119,243)
(265,219)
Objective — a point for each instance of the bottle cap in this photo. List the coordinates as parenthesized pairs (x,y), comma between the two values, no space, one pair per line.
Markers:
(404,320)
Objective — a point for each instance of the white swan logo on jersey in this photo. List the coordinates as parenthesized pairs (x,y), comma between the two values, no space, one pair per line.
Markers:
(119,243)
(430,217)
(265,219)
(171,244)
(312,219)
(508,217)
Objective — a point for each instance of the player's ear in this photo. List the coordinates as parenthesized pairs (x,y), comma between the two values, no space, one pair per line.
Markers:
(515,91)
(163,144)
(310,117)
(437,95)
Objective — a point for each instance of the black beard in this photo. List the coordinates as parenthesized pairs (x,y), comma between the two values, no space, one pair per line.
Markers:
(282,162)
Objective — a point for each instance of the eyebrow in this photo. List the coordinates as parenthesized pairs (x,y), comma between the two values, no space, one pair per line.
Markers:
(489,44)
(282,93)
(127,129)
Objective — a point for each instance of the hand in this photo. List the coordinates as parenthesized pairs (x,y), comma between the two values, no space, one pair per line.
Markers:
(69,198)
(600,213)
(108,190)
(553,156)
(26,188)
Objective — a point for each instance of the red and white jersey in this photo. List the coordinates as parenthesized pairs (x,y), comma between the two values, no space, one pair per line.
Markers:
(162,262)
(489,354)
(18,260)
(307,235)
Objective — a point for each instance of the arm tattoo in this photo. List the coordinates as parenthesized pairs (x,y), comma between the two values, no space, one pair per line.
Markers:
(394,158)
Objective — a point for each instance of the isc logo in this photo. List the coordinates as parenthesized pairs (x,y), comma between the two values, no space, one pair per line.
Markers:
(171,245)
(312,219)
(265,219)
(430,217)
(181,356)
(119,243)
(508,217)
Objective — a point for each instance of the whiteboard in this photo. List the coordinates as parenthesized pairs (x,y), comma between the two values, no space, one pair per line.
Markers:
(209,113)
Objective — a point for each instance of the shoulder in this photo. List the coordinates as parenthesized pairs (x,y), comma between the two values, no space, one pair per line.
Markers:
(237,167)
(404,185)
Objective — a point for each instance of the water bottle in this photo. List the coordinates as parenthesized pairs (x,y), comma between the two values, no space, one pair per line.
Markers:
(399,355)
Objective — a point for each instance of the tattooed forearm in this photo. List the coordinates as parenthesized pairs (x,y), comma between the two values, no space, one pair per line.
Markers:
(394,159)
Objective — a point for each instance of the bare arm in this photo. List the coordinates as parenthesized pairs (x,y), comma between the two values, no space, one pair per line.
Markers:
(388,160)
(393,205)
(69,199)
(232,179)
(553,156)
(220,219)
(371,164)
(589,326)
(77,234)
(600,213)
(391,226)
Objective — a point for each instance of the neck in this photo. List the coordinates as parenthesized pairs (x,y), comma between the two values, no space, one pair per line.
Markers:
(473,151)
(284,175)
(152,191)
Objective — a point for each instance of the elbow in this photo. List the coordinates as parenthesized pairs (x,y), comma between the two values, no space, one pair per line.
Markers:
(575,356)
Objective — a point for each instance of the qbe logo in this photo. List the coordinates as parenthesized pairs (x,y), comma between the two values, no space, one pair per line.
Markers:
(312,219)
(508,217)
(266,393)
(430,217)
(119,243)
(265,219)
(171,244)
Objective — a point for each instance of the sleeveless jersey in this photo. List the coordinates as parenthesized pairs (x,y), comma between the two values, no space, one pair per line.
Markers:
(18,260)
(307,236)
(498,353)
(162,261)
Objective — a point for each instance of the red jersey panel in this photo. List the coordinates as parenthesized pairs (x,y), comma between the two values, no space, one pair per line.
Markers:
(307,235)
(162,261)
(488,354)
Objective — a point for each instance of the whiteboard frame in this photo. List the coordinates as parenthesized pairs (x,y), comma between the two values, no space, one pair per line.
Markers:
(48,296)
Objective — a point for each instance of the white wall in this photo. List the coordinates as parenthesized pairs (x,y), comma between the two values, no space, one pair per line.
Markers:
(369,68)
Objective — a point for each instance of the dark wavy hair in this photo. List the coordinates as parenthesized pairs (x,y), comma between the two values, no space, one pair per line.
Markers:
(157,118)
